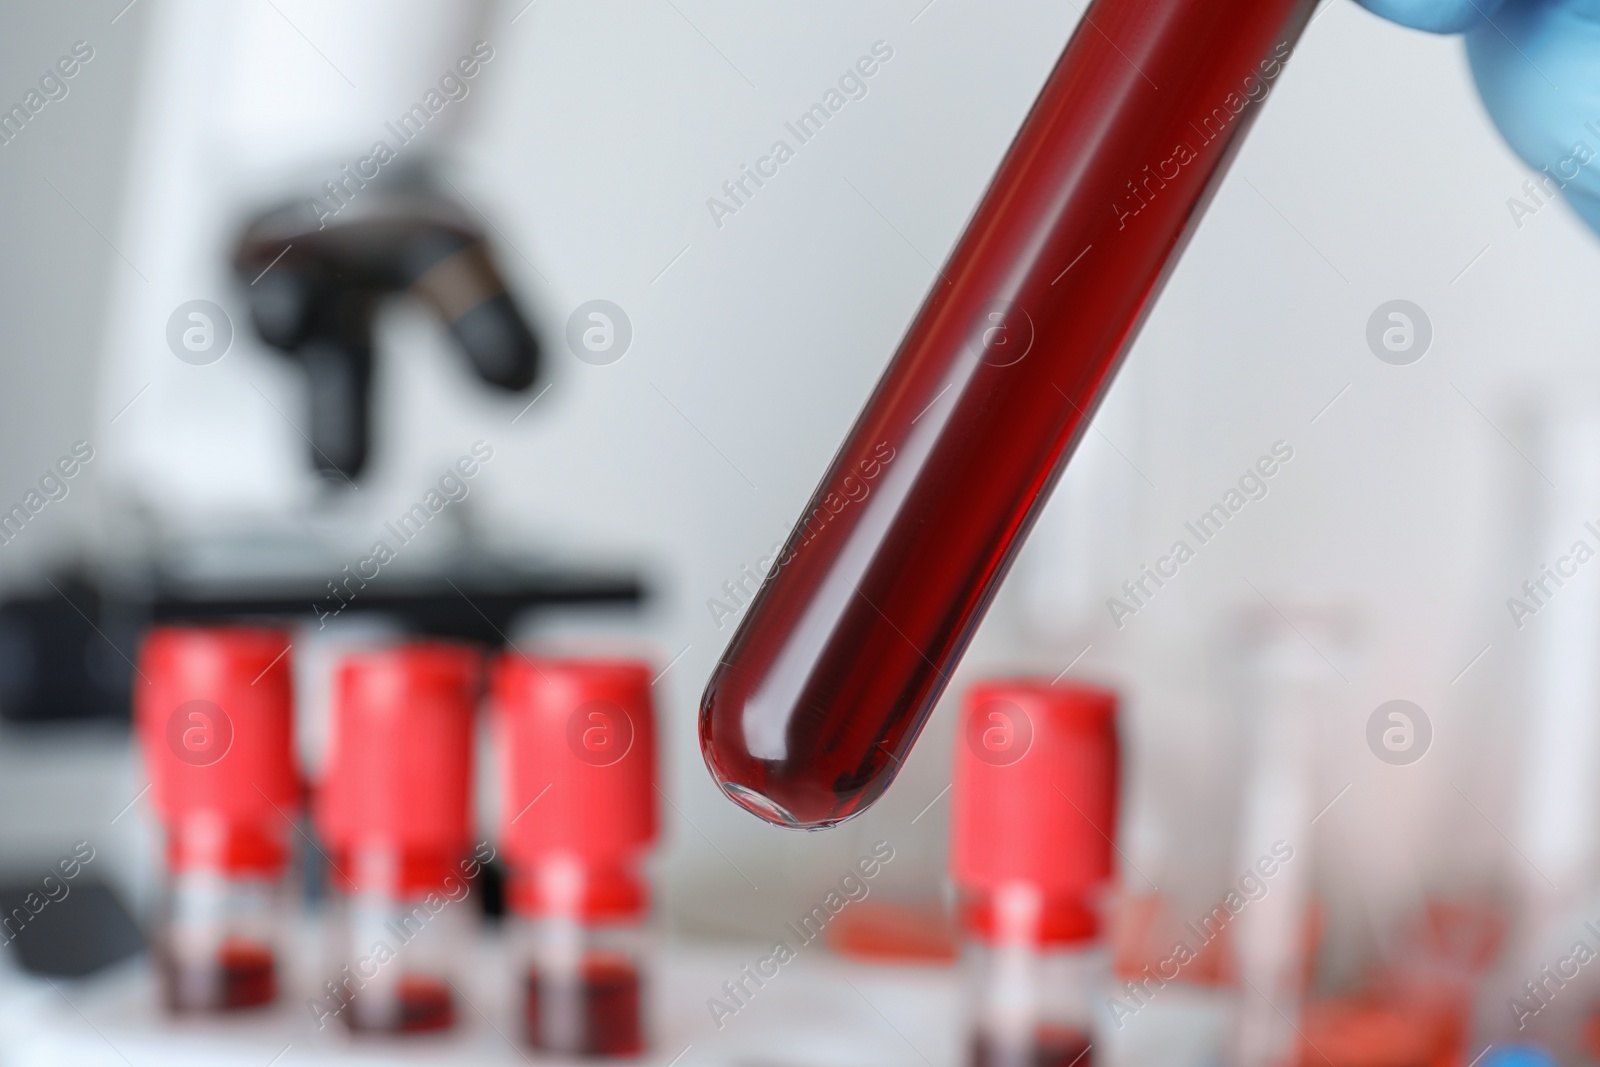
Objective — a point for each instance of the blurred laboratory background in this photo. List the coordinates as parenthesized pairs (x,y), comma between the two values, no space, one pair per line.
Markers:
(677,353)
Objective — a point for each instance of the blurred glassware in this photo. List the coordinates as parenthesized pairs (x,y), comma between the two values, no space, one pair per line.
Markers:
(394,807)
(1034,795)
(577,738)
(215,722)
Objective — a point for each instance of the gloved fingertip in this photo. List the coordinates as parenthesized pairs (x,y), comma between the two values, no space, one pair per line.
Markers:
(1587,205)
(1434,16)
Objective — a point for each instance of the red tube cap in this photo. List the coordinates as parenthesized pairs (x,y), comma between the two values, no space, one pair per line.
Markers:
(1034,797)
(214,712)
(579,741)
(399,770)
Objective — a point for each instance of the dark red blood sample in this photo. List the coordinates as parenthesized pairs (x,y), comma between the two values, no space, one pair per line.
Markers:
(864,614)
(597,1014)
(243,975)
(424,1004)
(1051,1047)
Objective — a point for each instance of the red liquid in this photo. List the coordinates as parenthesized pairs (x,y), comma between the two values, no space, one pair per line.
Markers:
(1050,1048)
(243,975)
(597,1014)
(1362,1032)
(424,1004)
(849,644)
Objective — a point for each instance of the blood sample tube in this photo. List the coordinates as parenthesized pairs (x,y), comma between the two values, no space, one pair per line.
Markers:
(864,613)
(215,721)
(1034,803)
(395,810)
(579,816)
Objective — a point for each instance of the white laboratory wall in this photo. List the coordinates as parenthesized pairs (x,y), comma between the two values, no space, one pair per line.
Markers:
(593,141)
(59,182)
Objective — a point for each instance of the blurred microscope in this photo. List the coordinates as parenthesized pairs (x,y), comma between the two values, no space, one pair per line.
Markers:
(315,293)
(285,430)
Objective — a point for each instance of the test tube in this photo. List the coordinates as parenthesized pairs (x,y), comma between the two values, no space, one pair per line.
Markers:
(395,811)
(579,816)
(1288,688)
(215,722)
(1555,827)
(864,613)
(1034,805)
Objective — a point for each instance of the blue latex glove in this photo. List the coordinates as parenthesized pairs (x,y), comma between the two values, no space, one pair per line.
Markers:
(1537,64)
(1519,1056)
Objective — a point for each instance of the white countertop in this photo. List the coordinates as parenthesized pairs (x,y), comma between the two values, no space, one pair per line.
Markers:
(819,1011)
